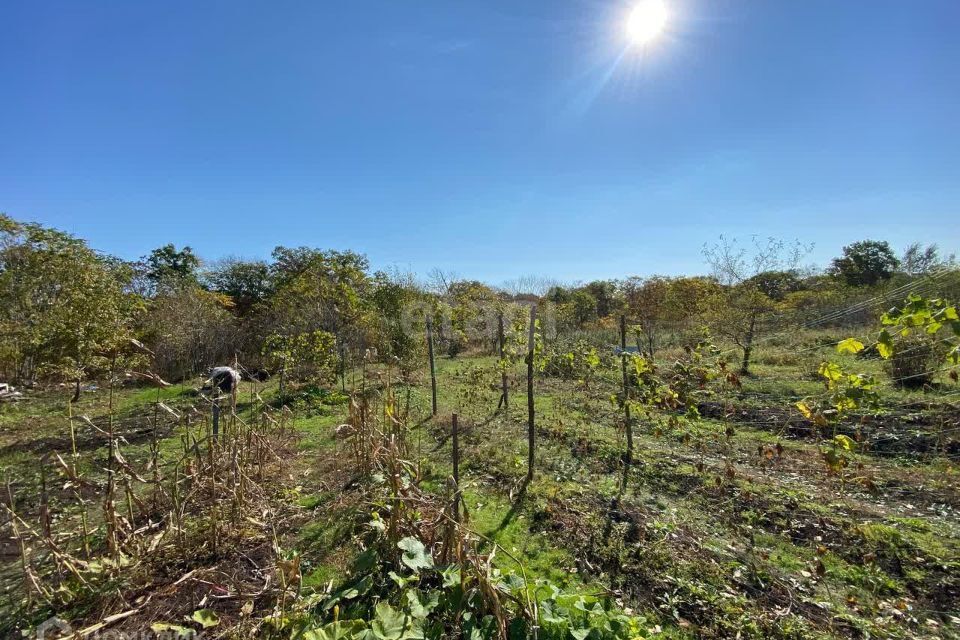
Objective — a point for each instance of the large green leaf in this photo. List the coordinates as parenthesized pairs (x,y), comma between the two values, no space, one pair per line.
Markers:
(349,591)
(390,624)
(206,618)
(420,605)
(844,442)
(831,371)
(885,344)
(172,631)
(451,576)
(415,554)
(365,561)
(339,630)
(850,345)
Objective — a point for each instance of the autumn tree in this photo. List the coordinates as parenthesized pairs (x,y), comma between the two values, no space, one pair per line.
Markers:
(606,295)
(317,289)
(558,294)
(776,285)
(472,308)
(749,276)
(247,282)
(659,305)
(528,286)
(313,290)
(647,305)
(189,329)
(582,307)
(394,295)
(308,357)
(687,301)
(65,311)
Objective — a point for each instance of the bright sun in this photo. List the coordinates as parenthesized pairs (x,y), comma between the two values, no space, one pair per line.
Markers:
(646,21)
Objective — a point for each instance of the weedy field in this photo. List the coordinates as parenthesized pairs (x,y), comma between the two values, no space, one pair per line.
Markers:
(748,506)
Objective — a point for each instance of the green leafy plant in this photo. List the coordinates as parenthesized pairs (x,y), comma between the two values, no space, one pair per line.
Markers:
(912,340)
(845,393)
(303,356)
(430,600)
(579,361)
(205,618)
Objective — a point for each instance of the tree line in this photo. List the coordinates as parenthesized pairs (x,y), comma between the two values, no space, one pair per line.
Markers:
(69,313)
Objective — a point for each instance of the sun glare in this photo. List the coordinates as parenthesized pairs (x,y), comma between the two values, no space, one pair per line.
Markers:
(646,21)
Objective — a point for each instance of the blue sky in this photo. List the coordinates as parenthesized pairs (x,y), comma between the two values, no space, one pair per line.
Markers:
(494,138)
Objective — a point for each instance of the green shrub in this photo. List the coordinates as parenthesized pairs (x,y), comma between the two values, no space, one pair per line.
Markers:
(577,362)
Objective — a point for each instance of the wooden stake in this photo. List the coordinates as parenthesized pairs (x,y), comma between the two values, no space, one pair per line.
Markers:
(626,388)
(24,562)
(531,428)
(155,447)
(110,514)
(216,420)
(456,468)
(44,498)
(433,371)
(505,397)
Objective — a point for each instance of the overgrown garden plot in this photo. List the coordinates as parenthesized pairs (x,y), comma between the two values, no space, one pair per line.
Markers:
(723,525)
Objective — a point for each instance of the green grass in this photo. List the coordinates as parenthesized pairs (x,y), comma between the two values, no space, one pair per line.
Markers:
(496,518)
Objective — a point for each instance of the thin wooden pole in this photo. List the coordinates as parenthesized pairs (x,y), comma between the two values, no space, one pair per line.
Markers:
(505,398)
(108,504)
(44,497)
(456,468)
(343,367)
(216,420)
(24,562)
(531,428)
(433,370)
(626,388)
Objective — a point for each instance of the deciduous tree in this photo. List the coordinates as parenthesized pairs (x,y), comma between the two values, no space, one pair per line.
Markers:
(247,282)
(745,271)
(865,263)
(64,309)
(167,266)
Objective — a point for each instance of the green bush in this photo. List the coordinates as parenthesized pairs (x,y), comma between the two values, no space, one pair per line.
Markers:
(576,362)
